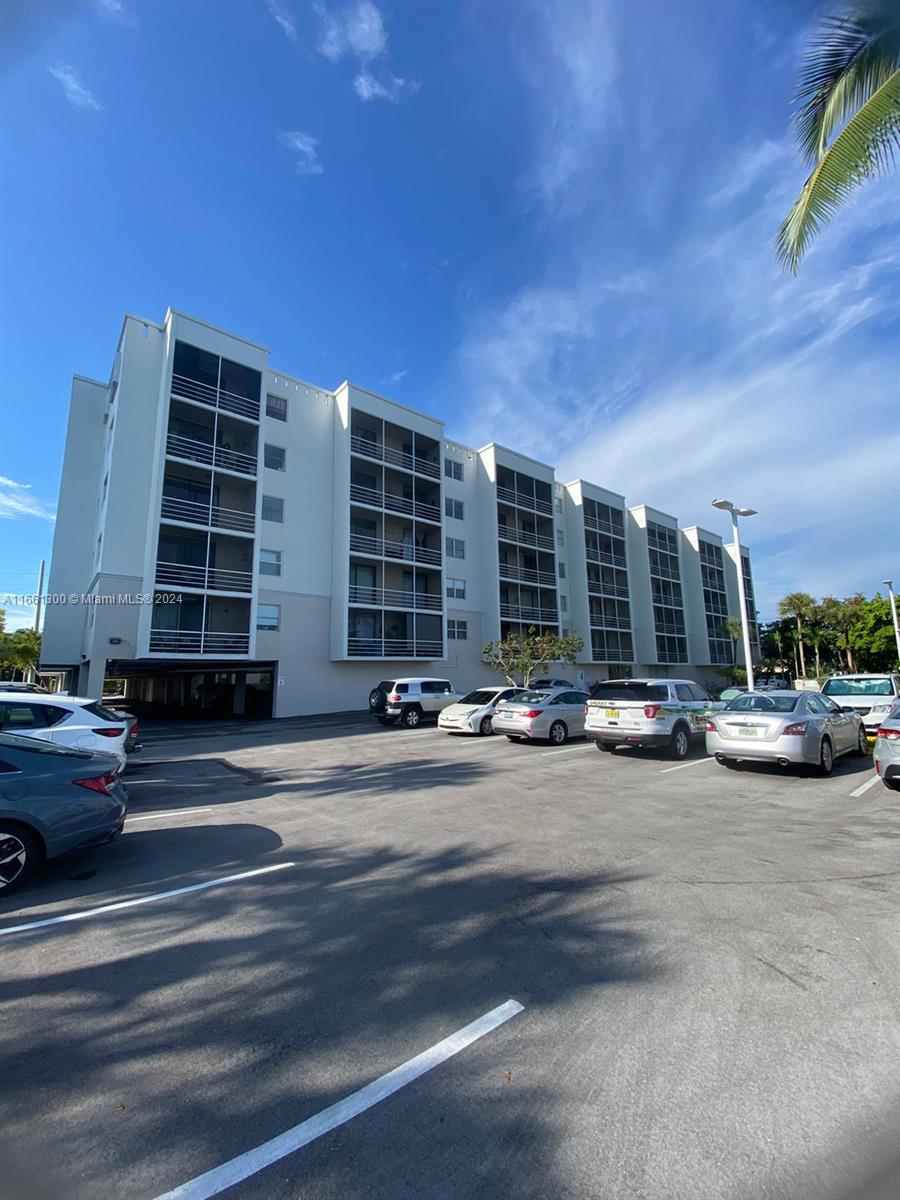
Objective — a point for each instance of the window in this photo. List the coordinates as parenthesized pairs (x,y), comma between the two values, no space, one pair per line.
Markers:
(456,548)
(683,692)
(276,406)
(453,508)
(458,630)
(268,617)
(453,469)
(275,457)
(29,716)
(435,687)
(699,694)
(456,589)
(273,509)
(563,604)
(270,562)
(562,570)
(560,538)
(559,504)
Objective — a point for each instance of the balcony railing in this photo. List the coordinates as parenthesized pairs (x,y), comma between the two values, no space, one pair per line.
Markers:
(376,647)
(604,556)
(206,578)
(197,512)
(596,587)
(395,458)
(210,455)
(383,548)
(615,654)
(599,621)
(205,393)
(523,500)
(521,612)
(524,537)
(394,598)
(196,641)
(602,526)
(527,575)
(393,503)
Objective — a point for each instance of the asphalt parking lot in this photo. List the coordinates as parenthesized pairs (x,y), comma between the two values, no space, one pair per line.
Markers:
(704,965)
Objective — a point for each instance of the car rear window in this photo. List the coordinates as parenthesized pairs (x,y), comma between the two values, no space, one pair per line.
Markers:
(385,685)
(762,704)
(100,710)
(631,691)
(532,697)
(859,687)
(401,688)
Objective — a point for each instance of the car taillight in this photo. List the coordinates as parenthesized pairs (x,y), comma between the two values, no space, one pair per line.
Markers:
(711,727)
(532,712)
(585,710)
(889,735)
(394,698)
(796,730)
(98,783)
(108,731)
(650,710)
(134,730)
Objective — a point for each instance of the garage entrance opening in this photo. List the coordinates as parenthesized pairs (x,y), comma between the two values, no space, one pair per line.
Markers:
(194,692)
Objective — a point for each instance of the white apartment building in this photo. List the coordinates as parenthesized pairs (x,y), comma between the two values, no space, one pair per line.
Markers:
(238,540)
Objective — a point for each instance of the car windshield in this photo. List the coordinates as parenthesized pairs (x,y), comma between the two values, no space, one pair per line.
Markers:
(481,696)
(858,687)
(762,704)
(627,690)
(532,697)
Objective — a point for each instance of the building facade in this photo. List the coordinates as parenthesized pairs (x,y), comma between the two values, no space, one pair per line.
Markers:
(230,538)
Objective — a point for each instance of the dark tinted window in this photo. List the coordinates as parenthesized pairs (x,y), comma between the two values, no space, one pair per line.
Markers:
(628,690)
(100,710)
(21,716)
(483,696)
(698,693)
(683,692)
(194,363)
(402,688)
(241,380)
(385,685)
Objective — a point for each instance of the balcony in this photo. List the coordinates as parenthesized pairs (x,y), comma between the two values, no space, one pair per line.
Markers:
(204,393)
(601,526)
(377,597)
(596,587)
(527,575)
(196,641)
(199,513)
(524,500)
(210,455)
(614,654)
(599,621)
(169,574)
(401,551)
(524,537)
(376,647)
(519,612)
(604,556)
(375,498)
(377,452)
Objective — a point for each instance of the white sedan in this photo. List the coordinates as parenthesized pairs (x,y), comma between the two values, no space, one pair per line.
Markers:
(475,712)
(72,721)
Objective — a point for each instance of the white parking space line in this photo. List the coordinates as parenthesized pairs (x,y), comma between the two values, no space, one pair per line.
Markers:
(681,766)
(228,1174)
(864,787)
(84,913)
(567,750)
(172,812)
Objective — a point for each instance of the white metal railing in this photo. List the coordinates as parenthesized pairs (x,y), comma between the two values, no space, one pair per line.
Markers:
(378,647)
(601,526)
(604,556)
(599,621)
(523,500)
(208,578)
(614,654)
(597,587)
(520,612)
(205,393)
(396,458)
(527,575)
(524,537)
(394,598)
(205,513)
(393,503)
(196,641)
(384,548)
(209,454)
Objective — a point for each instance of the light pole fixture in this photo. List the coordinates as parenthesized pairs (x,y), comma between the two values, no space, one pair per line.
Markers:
(889,584)
(736,512)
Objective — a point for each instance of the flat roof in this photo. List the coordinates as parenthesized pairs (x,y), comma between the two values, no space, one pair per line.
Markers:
(516,454)
(416,412)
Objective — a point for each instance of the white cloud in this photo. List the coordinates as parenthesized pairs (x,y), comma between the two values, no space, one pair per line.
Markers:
(17,500)
(390,87)
(281,15)
(116,10)
(395,378)
(305,147)
(357,32)
(75,91)
(749,170)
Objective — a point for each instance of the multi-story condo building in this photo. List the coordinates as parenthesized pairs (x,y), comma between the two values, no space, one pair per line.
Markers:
(239,540)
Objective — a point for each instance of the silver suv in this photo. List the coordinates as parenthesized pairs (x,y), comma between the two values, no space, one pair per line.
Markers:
(872,696)
(411,701)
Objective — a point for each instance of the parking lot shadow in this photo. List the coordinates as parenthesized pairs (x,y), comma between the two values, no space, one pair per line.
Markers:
(240,1011)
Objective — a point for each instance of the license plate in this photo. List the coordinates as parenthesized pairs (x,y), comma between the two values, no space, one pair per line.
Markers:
(751,732)
(612,713)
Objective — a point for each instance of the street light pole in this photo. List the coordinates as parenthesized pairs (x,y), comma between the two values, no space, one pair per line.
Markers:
(889,584)
(742,591)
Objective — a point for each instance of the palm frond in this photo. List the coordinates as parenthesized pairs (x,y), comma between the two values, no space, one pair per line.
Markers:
(847,62)
(863,148)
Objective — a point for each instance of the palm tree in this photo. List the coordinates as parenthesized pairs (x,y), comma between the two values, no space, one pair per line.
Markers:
(735,630)
(849,82)
(799,606)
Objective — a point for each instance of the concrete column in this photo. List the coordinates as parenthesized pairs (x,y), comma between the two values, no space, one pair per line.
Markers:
(90,678)
(240,693)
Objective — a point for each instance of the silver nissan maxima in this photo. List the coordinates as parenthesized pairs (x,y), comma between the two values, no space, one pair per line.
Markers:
(784,727)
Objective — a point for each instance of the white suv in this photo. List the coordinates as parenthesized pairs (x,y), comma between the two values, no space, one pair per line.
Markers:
(647,712)
(872,696)
(413,700)
(71,721)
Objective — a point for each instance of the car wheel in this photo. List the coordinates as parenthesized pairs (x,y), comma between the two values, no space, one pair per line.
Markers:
(862,741)
(826,757)
(681,742)
(606,747)
(486,726)
(893,784)
(411,718)
(19,856)
(386,720)
(559,735)
(376,699)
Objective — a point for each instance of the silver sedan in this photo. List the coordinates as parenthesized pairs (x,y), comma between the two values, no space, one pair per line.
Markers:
(784,727)
(552,713)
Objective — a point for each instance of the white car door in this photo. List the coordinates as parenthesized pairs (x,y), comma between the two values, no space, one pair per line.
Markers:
(842,724)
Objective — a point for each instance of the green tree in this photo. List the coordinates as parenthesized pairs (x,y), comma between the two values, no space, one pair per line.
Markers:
(733,629)
(799,606)
(840,616)
(520,657)
(25,650)
(849,87)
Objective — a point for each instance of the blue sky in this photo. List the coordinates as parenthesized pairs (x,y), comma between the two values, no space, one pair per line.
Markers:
(549,224)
